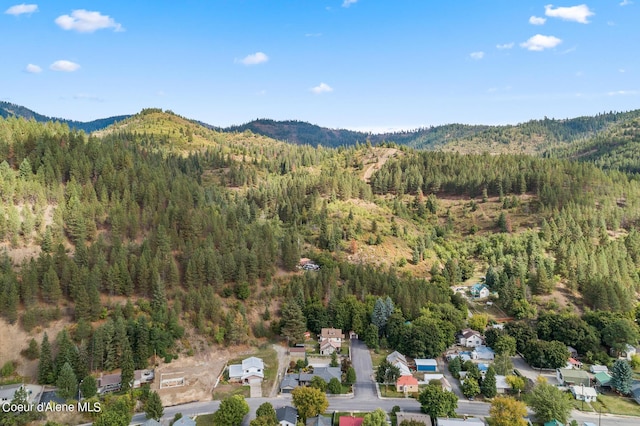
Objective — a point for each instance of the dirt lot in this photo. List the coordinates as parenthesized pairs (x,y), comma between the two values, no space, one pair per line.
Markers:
(200,371)
(14,339)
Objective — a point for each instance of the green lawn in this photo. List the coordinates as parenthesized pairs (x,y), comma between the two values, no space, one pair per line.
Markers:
(378,355)
(204,420)
(579,405)
(616,405)
(225,391)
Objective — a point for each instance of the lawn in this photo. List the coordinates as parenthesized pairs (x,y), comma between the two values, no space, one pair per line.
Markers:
(378,355)
(204,420)
(392,393)
(270,358)
(616,405)
(579,405)
(224,391)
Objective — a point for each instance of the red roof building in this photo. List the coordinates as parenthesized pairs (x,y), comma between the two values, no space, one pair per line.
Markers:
(351,421)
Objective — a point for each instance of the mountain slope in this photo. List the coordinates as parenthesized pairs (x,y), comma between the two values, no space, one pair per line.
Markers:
(12,110)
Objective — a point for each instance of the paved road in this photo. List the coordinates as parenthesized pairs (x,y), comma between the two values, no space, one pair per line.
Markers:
(365,389)
(366,399)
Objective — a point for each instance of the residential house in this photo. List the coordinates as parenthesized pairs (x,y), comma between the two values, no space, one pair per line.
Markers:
(109,383)
(598,369)
(483,353)
(330,340)
(184,421)
(603,379)
(460,422)
(584,393)
(574,363)
(395,358)
(292,381)
(289,383)
(415,417)
(625,353)
(7,393)
(297,352)
(430,365)
(573,353)
(250,371)
(501,384)
(439,377)
(568,377)
(470,338)
(350,421)
(287,416)
(480,291)
(319,420)
(407,384)
(141,377)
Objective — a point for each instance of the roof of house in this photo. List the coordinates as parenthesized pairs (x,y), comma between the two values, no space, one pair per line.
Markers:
(584,390)
(396,356)
(553,423)
(426,362)
(468,332)
(143,374)
(478,287)
(422,418)
(350,421)
(109,379)
(328,343)
(598,368)
(501,382)
(287,414)
(184,421)
(574,361)
(571,374)
(252,362)
(235,370)
(484,352)
(460,422)
(289,381)
(7,392)
(328,333)
(603,378)
(328,373)
(319,420)
(406,381)
(297,350)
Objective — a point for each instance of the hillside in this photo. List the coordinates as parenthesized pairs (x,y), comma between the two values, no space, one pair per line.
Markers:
(12,110)
(160,236)
(618,148)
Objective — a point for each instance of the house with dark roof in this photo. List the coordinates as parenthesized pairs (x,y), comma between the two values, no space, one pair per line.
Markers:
(289,383)
(109,383)
(287,416)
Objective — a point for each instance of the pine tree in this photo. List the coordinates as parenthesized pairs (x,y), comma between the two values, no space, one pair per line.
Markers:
(488,385)
(153,407)
(294,323)
(621,377)
(127,366)
(67,383)
(45,365)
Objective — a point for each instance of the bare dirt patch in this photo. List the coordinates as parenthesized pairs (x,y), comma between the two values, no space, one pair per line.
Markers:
(14,339)
(383,155)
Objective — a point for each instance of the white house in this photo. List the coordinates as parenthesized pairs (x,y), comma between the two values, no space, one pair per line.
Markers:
(480,291)
(287,416)
(484,353)
(250,371)
(501,384)
(598,369)
(470,338)
(584,393)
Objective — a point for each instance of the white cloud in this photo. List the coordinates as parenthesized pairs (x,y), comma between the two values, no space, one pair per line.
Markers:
(578,13)
(254,59)
(65,66)
(477,55)
(505,46)
(623,93)
(33,69)
(85,21)
(321,88)
(625,2)
(347,3)
(536,20)
(540,42)
(22,9)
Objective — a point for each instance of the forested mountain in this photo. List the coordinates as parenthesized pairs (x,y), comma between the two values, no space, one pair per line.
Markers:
(12,110)
(195,228)
(531,137)
(618,148)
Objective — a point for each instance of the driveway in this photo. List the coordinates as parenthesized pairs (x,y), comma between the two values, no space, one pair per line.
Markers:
(365,388)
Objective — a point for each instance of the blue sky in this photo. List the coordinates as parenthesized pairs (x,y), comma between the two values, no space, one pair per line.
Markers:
(358,64)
